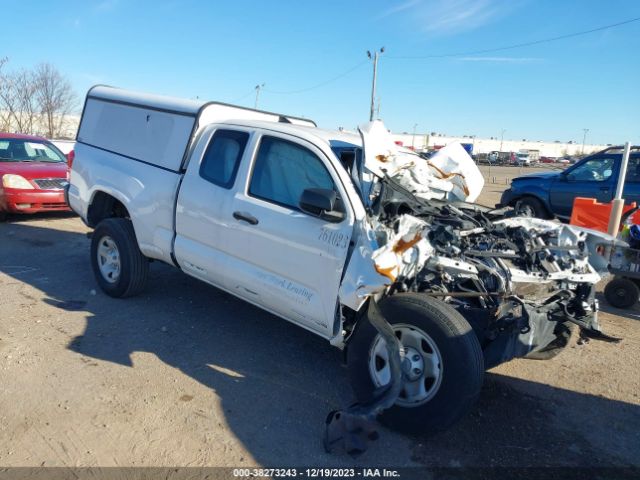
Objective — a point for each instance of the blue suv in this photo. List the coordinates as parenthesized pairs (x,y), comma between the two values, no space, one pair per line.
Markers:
(551,194)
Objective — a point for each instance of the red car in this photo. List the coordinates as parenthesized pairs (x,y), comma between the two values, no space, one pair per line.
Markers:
(33,174)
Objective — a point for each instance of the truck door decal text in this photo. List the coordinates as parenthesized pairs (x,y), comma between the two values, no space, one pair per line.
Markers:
(335,239)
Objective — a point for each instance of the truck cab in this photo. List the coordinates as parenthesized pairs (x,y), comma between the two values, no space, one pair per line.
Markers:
(240,224)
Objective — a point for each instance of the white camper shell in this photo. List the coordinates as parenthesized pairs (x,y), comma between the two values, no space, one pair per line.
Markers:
(155,129)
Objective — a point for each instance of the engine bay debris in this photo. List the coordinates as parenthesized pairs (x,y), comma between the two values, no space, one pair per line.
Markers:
(519,282)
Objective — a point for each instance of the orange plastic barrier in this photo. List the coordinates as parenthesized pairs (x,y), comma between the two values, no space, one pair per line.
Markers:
(590,214)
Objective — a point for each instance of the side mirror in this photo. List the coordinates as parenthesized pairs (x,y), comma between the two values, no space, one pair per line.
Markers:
(322,203)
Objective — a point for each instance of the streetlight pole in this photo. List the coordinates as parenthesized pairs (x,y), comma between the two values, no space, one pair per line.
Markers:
(258,88)
(413,141)
(584,138)
(375,56)
(501,139)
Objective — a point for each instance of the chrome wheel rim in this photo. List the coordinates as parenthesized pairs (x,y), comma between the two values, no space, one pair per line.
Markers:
(525,210)
(421,365)
(108,259)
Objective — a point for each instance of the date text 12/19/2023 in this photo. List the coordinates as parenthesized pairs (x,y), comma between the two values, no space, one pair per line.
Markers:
(316,472)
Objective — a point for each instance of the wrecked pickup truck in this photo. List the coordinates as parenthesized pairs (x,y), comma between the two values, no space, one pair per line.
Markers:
(345,234)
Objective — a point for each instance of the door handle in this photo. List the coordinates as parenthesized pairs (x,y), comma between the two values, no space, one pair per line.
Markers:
(604,189)
(245,217)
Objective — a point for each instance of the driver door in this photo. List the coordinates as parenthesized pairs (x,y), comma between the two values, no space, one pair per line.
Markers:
(592,178)
(283,259)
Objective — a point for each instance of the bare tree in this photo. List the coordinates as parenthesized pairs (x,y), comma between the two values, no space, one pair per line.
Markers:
(55,97)
(5,113)
(18,104)
(26,112)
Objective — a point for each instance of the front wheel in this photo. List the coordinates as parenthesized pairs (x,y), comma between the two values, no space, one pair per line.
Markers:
(443,366)
(118,264)
(531,207)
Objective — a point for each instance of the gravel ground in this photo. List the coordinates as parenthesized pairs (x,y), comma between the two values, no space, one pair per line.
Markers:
(186,375)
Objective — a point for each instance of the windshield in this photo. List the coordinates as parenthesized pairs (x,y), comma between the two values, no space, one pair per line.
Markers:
(19,150)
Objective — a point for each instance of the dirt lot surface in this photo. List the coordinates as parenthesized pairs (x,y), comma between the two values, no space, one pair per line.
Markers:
(186,375)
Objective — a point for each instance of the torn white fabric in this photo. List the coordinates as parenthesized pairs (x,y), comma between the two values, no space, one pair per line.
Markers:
(450,174)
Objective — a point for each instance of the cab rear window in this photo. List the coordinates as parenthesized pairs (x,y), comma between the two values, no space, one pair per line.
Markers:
(223,155)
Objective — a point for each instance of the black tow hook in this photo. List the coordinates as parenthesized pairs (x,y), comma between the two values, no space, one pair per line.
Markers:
(351,429)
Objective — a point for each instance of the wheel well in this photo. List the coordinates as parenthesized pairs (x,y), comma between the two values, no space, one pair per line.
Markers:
(105,206)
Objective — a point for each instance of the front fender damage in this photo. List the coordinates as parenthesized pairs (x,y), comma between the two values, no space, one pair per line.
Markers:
(361,280)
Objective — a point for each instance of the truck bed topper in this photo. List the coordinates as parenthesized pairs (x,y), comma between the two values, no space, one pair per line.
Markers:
(155,129)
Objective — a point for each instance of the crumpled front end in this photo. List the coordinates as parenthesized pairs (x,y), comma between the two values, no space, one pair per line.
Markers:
(515,279)
(518,281)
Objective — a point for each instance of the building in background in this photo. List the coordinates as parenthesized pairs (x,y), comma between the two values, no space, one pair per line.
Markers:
(433,141)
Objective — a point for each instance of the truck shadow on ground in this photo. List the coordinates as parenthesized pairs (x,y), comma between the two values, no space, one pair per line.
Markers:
(276,382)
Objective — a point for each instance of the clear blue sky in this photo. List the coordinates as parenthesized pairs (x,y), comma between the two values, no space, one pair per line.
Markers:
(219,50)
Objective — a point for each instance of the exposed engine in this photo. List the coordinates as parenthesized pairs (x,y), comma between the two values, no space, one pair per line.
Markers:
(505,274)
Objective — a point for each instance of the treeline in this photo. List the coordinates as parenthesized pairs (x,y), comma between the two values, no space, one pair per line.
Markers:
(35,101)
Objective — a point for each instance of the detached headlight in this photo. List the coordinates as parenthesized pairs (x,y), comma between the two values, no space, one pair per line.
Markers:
(16,181)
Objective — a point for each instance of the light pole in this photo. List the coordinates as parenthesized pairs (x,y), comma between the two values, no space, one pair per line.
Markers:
(501,138)
(413,141)
(258,88)
(584,138)
(375,56)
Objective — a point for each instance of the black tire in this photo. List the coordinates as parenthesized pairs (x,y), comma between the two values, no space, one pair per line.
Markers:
(531,207)
(622,292)
(563,335)
(134,266)
(462,365)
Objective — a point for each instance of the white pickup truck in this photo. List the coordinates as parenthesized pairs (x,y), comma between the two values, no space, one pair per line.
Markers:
(326,229)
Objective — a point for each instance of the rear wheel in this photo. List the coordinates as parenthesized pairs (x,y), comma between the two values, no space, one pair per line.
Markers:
(443,367)
(531,207)
(622,292)
(118,264)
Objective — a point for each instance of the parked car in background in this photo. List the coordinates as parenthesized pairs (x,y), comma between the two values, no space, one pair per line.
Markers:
(551,194)
(33,174)
(547,160)
(500,158)
(522,159)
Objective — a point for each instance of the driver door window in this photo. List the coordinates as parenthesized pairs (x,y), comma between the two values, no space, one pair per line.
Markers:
(633,170)
(283,170)
(594,170)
